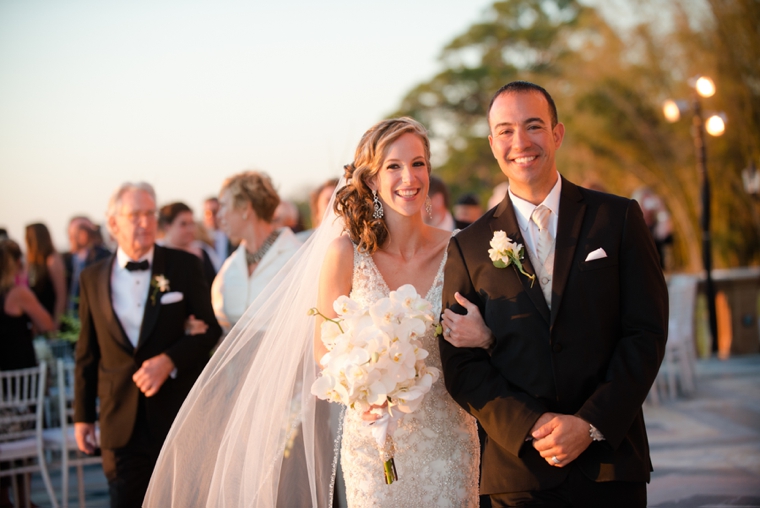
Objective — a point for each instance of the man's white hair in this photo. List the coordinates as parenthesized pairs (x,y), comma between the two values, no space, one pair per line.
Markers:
(114,204)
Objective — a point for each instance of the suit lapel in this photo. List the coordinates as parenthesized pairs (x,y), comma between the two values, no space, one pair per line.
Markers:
(152,307)
(105,301)
(504,220)
(571,212)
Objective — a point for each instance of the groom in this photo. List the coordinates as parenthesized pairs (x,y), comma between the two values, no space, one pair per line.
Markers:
(572,345)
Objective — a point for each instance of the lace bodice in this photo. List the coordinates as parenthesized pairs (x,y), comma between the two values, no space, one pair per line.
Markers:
(436,447)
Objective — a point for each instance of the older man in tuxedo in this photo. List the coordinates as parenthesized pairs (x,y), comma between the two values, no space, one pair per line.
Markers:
(573,327)
(133,353)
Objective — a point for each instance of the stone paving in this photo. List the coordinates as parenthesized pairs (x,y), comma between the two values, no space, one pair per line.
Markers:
(705,449)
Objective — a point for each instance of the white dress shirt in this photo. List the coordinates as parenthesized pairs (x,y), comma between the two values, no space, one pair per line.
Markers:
(129,293)
(524,210)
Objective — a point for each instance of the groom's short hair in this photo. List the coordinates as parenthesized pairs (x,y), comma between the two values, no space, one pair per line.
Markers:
(526,86)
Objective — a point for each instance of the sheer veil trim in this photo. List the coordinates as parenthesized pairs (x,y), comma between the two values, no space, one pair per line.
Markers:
(250,433)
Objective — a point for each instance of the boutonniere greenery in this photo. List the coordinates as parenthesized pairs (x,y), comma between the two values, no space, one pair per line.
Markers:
(504,252)
(159,283)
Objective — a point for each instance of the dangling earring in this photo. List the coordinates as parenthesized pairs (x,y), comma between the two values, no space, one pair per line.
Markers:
(378,214)
(429,206)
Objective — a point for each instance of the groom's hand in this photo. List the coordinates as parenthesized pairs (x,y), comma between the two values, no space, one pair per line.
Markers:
(562,436)
(466,330)
(151,375)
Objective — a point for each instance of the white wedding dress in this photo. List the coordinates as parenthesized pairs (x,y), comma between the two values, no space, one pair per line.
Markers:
(437,453)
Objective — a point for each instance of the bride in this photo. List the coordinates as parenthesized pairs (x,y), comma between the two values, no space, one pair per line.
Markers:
(251,434)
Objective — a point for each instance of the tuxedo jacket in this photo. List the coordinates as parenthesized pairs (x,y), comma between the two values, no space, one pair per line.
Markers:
(594,355)
(106,359)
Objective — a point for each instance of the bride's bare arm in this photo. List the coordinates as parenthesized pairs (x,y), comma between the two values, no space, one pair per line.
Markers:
(334,281)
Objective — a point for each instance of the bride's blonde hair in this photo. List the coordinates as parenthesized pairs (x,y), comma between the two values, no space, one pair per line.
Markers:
(354,201)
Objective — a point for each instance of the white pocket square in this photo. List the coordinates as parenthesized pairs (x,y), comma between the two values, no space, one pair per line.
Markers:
(172,297)
(597,254)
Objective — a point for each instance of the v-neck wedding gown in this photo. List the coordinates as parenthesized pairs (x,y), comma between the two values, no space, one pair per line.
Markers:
(436,447)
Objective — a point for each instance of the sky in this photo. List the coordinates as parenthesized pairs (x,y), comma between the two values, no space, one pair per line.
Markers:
(182,94)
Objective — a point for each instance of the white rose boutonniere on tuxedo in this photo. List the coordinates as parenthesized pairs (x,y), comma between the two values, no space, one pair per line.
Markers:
(159,283)
(504,252)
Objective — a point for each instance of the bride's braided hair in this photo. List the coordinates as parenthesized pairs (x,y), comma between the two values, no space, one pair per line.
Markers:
(354,201)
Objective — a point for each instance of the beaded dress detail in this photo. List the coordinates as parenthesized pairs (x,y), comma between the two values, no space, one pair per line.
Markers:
(436,448)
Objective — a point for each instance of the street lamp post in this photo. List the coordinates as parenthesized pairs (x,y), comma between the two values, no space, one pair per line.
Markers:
(715,126)
(699,144)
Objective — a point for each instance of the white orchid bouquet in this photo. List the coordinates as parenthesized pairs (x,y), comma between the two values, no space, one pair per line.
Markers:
(504,252)
(375,361)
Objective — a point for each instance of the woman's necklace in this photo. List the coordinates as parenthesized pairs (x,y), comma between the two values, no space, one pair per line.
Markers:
(253,258)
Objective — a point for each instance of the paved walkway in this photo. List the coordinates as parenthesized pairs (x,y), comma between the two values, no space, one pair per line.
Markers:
(705,450)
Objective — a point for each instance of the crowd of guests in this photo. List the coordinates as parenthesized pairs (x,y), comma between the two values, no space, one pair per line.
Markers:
(245,236)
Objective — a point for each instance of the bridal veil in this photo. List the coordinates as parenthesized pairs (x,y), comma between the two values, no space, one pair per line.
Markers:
(250,433)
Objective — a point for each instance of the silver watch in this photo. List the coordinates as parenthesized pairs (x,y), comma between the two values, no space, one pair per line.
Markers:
(594,433)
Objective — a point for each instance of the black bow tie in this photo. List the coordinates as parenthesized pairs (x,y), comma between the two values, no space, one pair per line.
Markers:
(133,266)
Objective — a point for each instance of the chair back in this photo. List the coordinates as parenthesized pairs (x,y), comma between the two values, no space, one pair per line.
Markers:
(682,296)
(22,393)
(65,371)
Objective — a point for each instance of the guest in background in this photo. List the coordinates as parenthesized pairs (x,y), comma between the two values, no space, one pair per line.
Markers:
(222,244)
(247,204)
(658,221)
(19,310)
(319,199)
(287,215)
(498,194)
(83,253)
(135,362)
(46,271)
(439,206)
(176,221)
(467,210)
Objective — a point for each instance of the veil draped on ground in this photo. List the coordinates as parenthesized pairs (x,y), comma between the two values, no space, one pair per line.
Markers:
(250,433)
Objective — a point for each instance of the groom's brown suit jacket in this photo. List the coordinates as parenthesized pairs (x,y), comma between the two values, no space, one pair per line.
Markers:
(594,355)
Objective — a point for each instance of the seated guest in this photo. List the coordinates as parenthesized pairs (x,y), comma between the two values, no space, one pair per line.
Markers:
(247,204)
(467,210)
(19,310)
(176,222)
(439,215)
(84,252)
(46,272)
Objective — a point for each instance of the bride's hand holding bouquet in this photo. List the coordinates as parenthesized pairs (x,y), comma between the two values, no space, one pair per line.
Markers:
(375,361)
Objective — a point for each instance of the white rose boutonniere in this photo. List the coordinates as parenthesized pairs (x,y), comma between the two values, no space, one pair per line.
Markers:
(158,284)
(504,252)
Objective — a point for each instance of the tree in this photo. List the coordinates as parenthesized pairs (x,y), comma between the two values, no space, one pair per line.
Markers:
(608,85)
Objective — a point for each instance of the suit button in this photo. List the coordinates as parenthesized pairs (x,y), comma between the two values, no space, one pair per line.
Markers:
(557,348)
